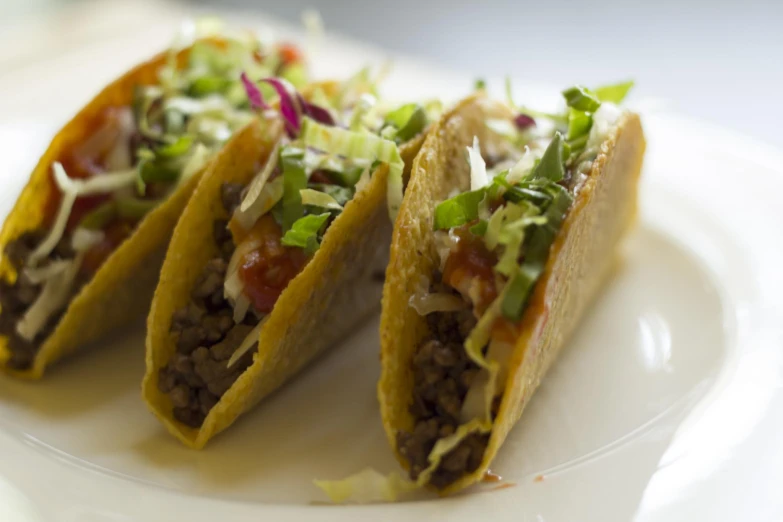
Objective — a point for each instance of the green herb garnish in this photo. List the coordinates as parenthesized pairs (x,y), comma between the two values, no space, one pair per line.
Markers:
(458,210)
(304,232)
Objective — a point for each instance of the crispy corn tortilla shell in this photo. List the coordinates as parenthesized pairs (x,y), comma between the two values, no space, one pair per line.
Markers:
(122,287)
(580,259)
(321,306)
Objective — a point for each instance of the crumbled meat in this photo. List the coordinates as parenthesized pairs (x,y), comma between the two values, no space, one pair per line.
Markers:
(198,375)
(223,238)
(442,373)
(465,458)
(16,298)
(231,196)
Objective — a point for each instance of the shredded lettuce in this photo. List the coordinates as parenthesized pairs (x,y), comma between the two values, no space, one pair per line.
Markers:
(366,486)
(319,199)
(341,195)
(478,169)
(305,231)
(53,298)
(482,420)
(83,239)
(266,200)
(259,180)
(425,302)
(363,106)
(523,167)
(72,188)
(508,216)
(294,180)
(359,146)
(38,275)
(198,158)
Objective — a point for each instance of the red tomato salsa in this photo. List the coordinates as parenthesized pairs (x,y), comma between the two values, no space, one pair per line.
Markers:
(266,271)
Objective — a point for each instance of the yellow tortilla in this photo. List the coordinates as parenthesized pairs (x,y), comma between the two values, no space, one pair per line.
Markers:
(122,287)
(320,306)
(579,261)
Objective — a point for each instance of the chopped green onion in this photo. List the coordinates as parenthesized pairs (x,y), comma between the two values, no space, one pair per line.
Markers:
(479,84)
(458,210)
(576,146)
(304,232)
(581,99)
(579,123)
(613,93)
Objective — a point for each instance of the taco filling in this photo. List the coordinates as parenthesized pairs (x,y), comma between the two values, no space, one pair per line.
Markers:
(133,159)
(276,223)
(493,242)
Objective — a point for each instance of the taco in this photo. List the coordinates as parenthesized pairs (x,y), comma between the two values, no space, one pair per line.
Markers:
(494,259)
(84,242)
(278,253)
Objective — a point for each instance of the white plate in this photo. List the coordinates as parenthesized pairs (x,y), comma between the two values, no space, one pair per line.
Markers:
(667,405)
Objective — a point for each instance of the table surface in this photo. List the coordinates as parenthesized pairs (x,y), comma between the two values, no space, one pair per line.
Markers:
(715,60)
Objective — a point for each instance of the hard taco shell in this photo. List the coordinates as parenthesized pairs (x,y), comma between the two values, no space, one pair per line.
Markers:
(579,261)
(321,305)
(122,287)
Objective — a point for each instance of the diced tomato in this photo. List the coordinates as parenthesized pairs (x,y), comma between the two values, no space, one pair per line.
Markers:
(114,234)
(289,53)
(471,264)
(266,271)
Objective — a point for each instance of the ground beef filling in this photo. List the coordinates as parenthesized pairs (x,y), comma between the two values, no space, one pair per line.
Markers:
(443,372)
(16,298)
(198,375)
